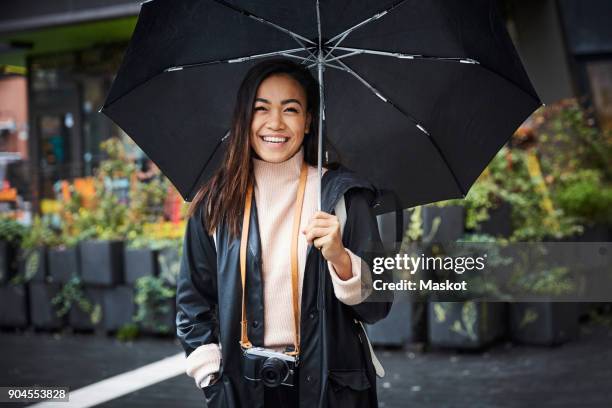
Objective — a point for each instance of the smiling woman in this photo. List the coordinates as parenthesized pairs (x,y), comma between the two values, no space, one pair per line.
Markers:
(248,293)
(279,125)
(277,98)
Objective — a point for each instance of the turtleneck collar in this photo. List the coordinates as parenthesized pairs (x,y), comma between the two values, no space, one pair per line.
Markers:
(289,170)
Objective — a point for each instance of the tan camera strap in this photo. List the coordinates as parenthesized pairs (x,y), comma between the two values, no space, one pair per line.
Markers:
(244,339)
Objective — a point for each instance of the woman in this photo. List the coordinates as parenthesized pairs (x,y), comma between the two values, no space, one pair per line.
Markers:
(271,147)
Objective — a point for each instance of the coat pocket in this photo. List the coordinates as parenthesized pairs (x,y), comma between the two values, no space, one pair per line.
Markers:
(215,395)
(349,388)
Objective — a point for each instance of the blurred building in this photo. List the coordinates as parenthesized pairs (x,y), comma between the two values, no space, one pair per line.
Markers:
(69,52)
(64,55)
(566,46)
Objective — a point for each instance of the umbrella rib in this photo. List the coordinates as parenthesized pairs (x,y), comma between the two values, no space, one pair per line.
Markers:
(375,17)
(346,68)
(295,56)
(335,45)
(325,64)
(350,54)
(399,55)
(333,66)
(319,25)
(287,53)
(299,38)
(194,185)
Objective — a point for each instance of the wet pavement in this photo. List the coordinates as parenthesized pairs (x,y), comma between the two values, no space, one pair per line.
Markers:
(575,374)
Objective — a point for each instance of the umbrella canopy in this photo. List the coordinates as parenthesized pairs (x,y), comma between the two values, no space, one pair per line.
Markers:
(418,95)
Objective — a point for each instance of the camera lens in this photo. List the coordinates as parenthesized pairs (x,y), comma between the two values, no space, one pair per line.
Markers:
(273,372)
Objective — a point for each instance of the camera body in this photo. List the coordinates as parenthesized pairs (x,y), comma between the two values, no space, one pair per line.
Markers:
(270,367)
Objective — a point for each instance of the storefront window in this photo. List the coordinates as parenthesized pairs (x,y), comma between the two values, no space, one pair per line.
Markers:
(67,90)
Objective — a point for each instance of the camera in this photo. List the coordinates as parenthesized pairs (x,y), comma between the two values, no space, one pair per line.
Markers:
(268,366)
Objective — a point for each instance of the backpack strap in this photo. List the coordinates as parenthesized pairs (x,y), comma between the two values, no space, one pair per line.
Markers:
(380,370)
(340,212)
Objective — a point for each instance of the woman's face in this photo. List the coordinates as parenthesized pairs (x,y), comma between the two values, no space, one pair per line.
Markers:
(280,118)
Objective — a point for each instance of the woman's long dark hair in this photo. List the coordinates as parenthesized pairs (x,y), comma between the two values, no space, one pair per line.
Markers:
(226,190)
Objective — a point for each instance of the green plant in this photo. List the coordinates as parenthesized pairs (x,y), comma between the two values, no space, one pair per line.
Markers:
(117,164)
(144,241)
(170,261)
(147,200)
(415,231)
(575,155)
(414,243)
(11,230)
(535,272)
(76,222)
(70,295)
(485,282)
(514,176)
(555,175)
(110,214)
(569,141)
(535,216)
(38,235)
(585,195)
(466,325)
(552,281)
(106,216)
(152,298)
(481,199)
(127,332)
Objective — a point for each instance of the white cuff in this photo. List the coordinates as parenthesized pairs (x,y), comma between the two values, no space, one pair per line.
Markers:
(350,291)
(202,362)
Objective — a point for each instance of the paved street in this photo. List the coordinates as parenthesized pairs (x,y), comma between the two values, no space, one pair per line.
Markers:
(577,374)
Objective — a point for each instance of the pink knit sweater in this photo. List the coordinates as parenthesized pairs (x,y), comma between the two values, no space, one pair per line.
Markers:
(275,190)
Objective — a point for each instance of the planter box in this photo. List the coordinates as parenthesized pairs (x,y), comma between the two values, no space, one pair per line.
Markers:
(118,307)
(466,325)
(593,233)
(452,225)
(42,312)
(545,323)
(41,270)
(588,257)
(63,263)
(404,324)
(8,268)
(140,262)
(167,319)
(583,309)
(169,264)
(14,306)
(499,223)
(80,320)
(102,262)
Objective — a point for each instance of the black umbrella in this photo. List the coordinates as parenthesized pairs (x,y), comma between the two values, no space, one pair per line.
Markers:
(419,95)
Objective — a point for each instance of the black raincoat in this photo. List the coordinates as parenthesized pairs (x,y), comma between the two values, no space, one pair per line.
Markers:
(338,373)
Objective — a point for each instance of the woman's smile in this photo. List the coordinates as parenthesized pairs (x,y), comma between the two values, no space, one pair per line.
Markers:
(275,141)
(280,118)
